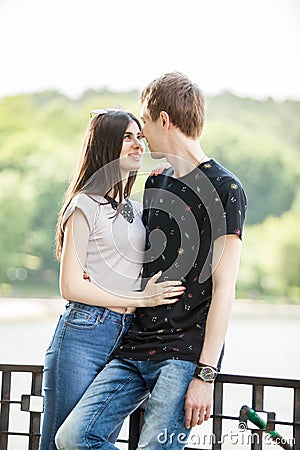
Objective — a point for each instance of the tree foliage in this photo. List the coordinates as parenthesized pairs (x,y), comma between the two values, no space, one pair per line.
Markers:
(41,135)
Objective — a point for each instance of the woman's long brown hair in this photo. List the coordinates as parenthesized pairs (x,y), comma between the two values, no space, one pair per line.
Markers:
(98,171)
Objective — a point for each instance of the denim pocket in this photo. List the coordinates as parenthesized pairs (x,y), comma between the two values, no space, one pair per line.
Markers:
(80,319)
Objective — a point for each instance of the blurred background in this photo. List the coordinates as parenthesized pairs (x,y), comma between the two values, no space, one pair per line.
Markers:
(60,59)
(41,136)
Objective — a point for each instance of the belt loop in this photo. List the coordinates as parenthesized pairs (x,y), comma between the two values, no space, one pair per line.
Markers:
(102,316)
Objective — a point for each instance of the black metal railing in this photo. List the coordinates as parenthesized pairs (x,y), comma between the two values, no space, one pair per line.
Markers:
(32,404)
(25,403)
(258,386)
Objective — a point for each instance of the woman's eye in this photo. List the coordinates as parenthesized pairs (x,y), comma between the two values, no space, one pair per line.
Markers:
(127,136)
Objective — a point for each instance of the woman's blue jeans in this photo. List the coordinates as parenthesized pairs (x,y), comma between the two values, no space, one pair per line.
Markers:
(122,386)
(83,342)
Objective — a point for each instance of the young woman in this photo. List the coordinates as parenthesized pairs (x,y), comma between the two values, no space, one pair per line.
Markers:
(100,244)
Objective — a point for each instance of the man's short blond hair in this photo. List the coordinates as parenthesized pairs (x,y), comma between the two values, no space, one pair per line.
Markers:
(184,102)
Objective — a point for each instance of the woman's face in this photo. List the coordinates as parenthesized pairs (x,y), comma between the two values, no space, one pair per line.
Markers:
(133,148)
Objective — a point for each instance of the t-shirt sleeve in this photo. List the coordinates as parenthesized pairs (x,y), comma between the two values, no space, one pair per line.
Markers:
(86,205)
(230,210)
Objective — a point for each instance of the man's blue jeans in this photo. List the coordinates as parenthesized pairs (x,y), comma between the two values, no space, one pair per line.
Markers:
(117,391)
(83,342)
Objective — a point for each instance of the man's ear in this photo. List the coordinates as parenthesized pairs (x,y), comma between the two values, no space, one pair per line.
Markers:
(164,119)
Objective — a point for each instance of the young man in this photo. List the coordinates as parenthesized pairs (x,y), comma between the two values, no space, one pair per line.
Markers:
(194,219)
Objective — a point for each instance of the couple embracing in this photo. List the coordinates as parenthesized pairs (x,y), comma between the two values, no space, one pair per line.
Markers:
(149,287)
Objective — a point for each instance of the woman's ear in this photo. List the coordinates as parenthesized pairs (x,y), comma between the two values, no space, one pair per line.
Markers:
(164,119)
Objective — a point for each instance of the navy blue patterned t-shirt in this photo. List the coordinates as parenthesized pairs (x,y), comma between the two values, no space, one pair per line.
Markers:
(183,217)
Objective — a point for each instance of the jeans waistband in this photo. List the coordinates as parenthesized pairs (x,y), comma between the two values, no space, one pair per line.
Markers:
(100,310)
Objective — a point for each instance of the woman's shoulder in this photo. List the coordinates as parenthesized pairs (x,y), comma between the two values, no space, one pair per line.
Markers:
(87,204)
(88,199)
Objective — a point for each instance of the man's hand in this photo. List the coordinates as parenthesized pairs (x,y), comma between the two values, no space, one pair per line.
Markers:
(198,402)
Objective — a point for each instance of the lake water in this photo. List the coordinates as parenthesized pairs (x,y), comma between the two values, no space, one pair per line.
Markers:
(262,340)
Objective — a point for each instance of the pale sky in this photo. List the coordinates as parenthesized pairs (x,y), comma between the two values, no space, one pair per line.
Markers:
(249,47)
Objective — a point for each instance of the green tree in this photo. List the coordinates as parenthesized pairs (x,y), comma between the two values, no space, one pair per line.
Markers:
(41,135)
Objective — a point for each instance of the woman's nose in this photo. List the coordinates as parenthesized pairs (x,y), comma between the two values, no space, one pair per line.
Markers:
(138,143)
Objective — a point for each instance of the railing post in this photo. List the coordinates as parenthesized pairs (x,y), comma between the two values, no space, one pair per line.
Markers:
(296,419)
(5,407)
(35,417)
(218,411)
(258,405)
(135,425)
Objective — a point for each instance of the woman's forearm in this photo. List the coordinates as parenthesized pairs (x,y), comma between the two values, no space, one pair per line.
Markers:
(87,292)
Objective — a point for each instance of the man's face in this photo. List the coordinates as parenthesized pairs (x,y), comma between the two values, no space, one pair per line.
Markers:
(152,132)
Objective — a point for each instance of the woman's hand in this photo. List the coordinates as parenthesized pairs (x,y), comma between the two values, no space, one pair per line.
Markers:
(157,170)
(86,276)
(156,294)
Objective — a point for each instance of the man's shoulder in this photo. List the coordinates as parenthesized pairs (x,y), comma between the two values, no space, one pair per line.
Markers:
(220,176)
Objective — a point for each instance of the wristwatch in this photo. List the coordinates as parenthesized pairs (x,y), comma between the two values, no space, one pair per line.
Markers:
(205,373)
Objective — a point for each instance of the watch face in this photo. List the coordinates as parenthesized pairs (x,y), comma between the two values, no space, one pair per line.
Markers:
(207,374)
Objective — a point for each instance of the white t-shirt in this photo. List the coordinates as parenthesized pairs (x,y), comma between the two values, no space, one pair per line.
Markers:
(116,247)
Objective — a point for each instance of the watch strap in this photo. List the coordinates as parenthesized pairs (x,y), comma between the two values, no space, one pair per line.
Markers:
(200,364)
(201,368)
